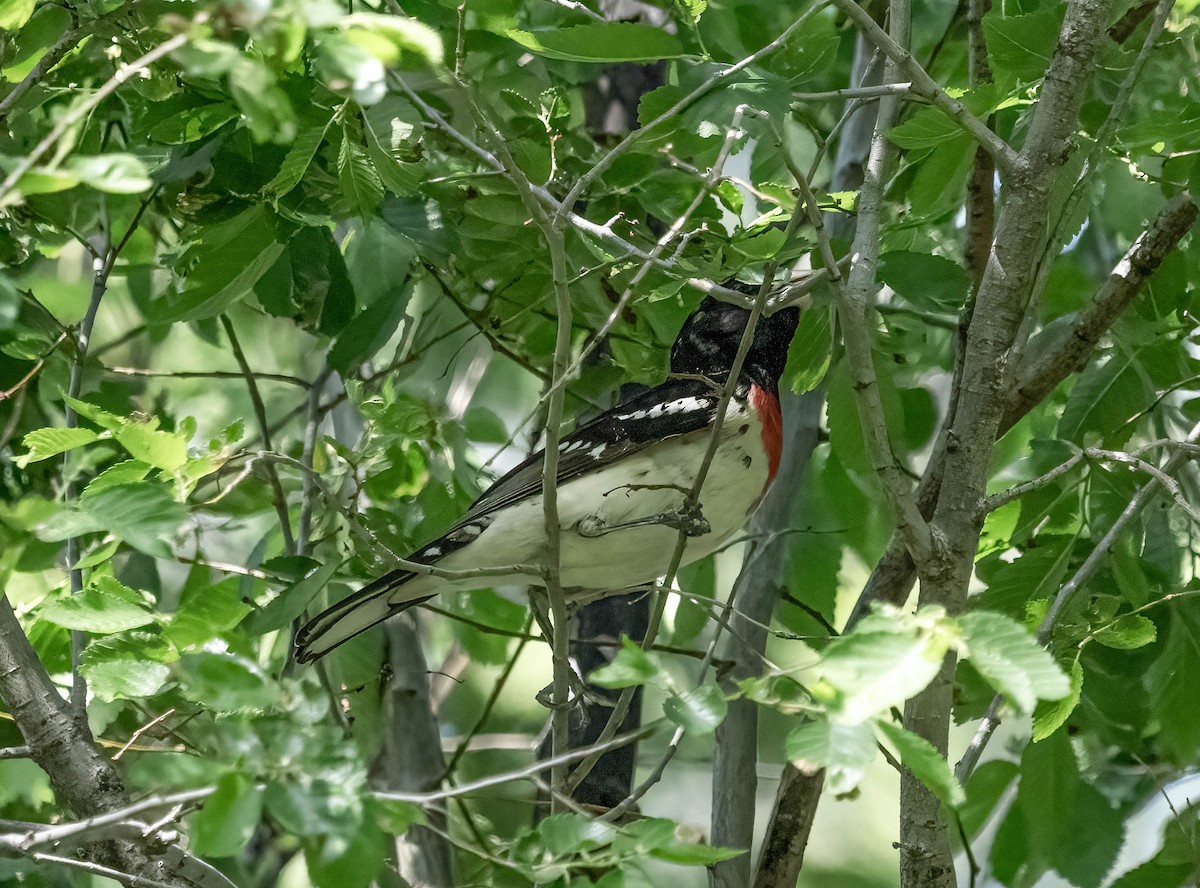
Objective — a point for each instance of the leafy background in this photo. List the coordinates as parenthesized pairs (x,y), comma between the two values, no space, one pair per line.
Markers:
(325,319)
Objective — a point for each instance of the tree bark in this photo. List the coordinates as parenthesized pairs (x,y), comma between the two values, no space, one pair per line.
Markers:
(82,779)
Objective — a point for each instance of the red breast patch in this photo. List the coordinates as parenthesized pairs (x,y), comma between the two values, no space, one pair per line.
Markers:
(766,405)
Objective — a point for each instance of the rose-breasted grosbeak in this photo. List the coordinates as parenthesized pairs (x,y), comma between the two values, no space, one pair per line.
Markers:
(623,479)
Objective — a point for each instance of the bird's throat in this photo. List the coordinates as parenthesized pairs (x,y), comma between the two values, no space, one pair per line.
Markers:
(766,405)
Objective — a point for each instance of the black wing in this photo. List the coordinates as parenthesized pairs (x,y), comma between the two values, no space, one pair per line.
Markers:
(676,407)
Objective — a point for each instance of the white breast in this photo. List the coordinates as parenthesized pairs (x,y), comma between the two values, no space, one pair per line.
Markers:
(644,485)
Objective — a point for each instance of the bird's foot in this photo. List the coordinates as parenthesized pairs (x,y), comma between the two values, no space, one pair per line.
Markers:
(575,694)
(688,519)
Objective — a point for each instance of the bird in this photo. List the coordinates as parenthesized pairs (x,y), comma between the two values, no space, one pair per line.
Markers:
(623,483)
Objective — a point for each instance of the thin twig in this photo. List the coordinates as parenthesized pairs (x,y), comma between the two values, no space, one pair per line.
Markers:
(49,59)
(278,497)
(84,108)
(1004,155)
(1067,592)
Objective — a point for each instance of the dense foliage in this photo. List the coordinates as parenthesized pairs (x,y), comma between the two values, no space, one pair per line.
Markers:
(278,293)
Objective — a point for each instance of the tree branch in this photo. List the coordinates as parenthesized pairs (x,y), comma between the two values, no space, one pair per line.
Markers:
(82,779)
(925,85)
(1160,480)
(278,497)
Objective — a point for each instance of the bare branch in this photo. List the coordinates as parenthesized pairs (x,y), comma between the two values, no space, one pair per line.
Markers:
(278,497)
(1056,353)
(853,311)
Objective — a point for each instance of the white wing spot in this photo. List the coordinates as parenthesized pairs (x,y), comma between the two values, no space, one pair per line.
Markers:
(597,452)
(432,552)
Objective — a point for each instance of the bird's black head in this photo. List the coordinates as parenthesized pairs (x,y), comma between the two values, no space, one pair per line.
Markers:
(709,340)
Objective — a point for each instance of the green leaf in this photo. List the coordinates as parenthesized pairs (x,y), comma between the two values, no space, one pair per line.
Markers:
(226,682)
(104,607)
(1128,633)
(930,282)
(872,669)
(145,443)
(15,13)
(926,763)
(1170,682)
(297,160)
(1069,823)
(128,471)
(45,443)
(291,602)
(266,109)
(143,515)
(631,666)
(1023,44)
(223,266)
(844,751)
(698,711)
(192,124)
(809,352)
(984,789)
(601,42)
(1103,398)
(114,173)
(1051,715)
(369,330)
(695,854)
(205,613)
(569,833)
(124,678)
(928,128)
(360,181)
(405,34)
(225,824)
(1011,660)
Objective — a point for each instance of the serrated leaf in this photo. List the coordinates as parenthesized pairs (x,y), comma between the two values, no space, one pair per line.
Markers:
(1103,398)
(105,607)
(601,42)
(359,179)
(192,125)
(698,711)
(223,266)
(927,281)
(844,751)
(144,515)
(631,666)
(1128,633)
(569,833)
(872,671)
(297,161)
(1022,44)
(149,445)
(225,824)
(809,352)
(926,763)
(45,443)
(1011,660)
(291,602)
(226,682)
(928,128)
(1051,715)
(206,613)
(124,678)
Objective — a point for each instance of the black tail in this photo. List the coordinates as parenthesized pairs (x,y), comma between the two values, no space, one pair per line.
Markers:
(355,613)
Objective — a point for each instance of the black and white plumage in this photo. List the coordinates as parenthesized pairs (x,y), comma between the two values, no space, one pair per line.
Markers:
(623,479)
